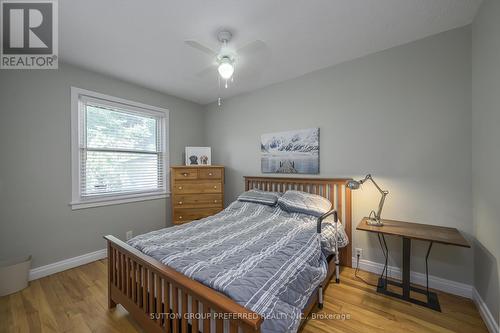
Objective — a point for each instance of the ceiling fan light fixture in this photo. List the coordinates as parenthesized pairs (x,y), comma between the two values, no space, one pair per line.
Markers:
(226,68)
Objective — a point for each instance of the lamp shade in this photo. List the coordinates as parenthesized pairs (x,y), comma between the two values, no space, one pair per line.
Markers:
(353,184)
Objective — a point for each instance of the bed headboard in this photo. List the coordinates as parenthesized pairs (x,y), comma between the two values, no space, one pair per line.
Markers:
(333,189)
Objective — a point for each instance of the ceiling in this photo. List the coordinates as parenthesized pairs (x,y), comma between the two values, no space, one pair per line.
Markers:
(143,41)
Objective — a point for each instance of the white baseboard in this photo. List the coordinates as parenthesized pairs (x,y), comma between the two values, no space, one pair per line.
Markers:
(486,314)
(449,286)
(65,264)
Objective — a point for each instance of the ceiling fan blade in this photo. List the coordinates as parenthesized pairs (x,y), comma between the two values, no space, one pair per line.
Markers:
(209,70)
(200,47)
(252,47)
(248,71)
(251,65)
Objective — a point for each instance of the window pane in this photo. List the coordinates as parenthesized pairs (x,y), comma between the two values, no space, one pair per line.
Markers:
(119,130)
(111,172)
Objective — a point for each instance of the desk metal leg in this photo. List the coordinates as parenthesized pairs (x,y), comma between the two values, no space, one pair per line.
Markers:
(405,284)
(386,256)
(385,251)
(427,270)
(406,266)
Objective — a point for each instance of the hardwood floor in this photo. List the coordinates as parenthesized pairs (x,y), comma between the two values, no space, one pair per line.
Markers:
(75,301)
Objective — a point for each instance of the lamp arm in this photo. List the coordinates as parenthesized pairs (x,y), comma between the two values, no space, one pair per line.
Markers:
(382,198)
(374,183)
(381,204)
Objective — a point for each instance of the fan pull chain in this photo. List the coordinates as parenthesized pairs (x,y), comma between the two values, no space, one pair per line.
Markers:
(219,99)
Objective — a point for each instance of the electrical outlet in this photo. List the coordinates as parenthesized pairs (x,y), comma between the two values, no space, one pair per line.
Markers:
(129,234)
(359,252)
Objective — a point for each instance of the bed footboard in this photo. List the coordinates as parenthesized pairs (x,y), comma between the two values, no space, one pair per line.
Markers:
(164,300)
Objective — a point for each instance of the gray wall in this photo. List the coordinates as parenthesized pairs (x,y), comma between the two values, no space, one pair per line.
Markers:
(486,154)
(402,114)
(35,180)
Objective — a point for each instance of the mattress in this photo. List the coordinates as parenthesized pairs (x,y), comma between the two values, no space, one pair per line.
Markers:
(263,257)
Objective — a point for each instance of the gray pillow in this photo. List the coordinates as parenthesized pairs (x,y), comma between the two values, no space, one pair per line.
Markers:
(258,196)
(305,203)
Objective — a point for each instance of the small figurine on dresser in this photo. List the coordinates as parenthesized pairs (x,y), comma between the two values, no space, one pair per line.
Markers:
(193,160)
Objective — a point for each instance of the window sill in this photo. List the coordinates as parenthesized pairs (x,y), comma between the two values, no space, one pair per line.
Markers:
(98,202)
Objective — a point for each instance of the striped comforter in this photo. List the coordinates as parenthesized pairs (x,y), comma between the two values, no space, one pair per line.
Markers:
(264,258)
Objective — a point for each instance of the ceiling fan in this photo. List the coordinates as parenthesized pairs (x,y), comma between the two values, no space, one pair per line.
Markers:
(226,58)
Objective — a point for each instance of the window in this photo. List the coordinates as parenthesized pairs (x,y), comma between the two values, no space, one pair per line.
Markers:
(119,150)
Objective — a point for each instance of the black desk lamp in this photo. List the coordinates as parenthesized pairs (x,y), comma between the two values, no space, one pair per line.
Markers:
(373,218)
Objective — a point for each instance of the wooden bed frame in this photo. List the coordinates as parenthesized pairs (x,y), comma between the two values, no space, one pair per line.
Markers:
(146,287)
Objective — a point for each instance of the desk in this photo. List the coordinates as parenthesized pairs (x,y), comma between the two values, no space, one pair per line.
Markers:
(408,231)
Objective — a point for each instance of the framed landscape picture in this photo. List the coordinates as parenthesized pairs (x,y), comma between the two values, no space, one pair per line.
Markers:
(290,152)
(198,156)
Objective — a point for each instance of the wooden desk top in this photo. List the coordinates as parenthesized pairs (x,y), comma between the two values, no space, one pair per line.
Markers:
(426,232)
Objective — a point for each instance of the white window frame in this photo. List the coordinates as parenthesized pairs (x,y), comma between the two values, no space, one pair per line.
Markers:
(77,202)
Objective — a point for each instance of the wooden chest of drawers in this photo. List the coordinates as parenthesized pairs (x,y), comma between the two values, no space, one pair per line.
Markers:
(197,192)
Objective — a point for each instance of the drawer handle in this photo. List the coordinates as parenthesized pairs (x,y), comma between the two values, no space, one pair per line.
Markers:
(180,187)
(215,187)
(185,174)
(180,217)
(210,174)
(215,201)
(180,202)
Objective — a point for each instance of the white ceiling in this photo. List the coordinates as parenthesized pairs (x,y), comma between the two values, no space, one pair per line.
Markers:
(143,41)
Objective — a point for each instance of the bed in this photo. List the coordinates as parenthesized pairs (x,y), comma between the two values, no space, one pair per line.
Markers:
(192,277)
